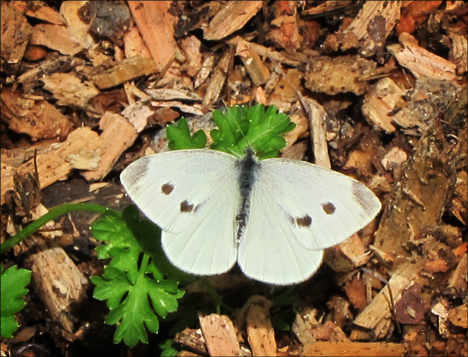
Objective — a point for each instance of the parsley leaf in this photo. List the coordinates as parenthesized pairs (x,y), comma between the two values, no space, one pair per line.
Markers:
(13,288)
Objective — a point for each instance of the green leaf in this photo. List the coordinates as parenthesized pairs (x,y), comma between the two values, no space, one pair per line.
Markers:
(13,289)
(242,127)
(132,285)
(238,128)
(179,136)
(169,348)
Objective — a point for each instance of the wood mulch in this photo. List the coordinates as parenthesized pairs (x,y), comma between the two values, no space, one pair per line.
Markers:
(377,90)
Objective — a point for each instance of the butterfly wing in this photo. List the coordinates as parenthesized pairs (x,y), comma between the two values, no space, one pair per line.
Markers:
(193,196)
(269,250)
(297,210)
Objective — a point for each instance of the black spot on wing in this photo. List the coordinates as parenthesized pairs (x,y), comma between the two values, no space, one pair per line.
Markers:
(305,221)
(328,208)
(167,188)
(186,207)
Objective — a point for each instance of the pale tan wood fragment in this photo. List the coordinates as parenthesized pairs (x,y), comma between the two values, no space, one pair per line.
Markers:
(59,283)
(191,46)
(17,156)
(253,63)
(52,164)
(134,44)
(458,316)
(37,118)
(192,339)
(205,70)
(390,11)
(265,52)
(232,17)
(220,337)
(49,66)
(156,25)
(459,50)
(420,61)
(69,90)
(217,80)
(196,109)
(323,348)
(15,33)
(6,183)
(77,28)
(381,99)
(137,114)
(173,94)
(116,137)
(347,255)
(379,308)
(260,331)
(55,37)
(124,71)
(303,325)
(40,11)
(457,284)
(325,7)
(318,131)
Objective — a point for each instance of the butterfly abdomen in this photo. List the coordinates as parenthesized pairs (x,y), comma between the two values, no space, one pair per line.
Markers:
(247,175)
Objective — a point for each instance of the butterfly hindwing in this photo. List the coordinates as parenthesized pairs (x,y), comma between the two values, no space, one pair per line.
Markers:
(269,250)
(193,196)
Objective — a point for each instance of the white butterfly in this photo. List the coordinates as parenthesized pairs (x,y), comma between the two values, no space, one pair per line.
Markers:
(274,216)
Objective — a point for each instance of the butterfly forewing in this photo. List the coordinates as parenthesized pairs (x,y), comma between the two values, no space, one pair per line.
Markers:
(193,196)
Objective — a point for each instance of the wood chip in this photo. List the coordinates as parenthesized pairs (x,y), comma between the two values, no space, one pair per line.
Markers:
(260,331)
(42,12)
(69,90)
(458,316)
(420,61)
(117,136)
(58,282)
(37,118)
(156,25)
(253,63)
(232,17)
(55,37)
(380,306)
(217,80)
(353,349)
(220,337)
(15,34)
(124,71)
(457,284)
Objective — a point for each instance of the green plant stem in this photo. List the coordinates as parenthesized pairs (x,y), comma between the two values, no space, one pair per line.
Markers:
(52,214)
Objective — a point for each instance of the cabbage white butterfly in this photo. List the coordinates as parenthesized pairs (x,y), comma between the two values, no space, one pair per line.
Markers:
(273,216)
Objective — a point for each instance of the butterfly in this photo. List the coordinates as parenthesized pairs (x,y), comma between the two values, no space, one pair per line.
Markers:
(274,217)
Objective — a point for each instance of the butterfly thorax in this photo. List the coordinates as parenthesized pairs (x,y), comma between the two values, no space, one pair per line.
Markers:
(247,171)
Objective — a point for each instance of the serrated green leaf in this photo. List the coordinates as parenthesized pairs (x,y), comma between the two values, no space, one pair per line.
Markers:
(128,283)
(179,136)
(168,348)
(13,289)
(242,127)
